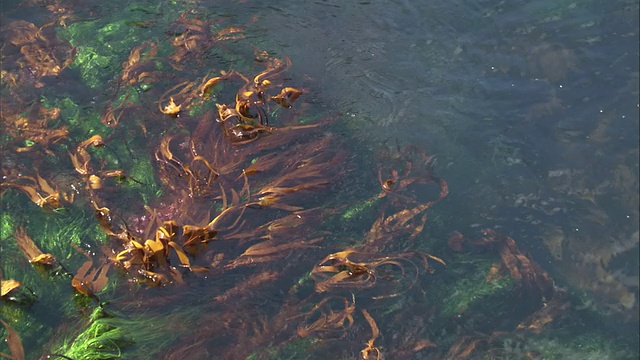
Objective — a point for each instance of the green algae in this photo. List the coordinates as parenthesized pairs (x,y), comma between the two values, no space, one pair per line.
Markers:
(145,184)
(82,122)
(472,289)
(99,339)
(7,226)
(109,333)
(48,290)
(101,48)
(360,209)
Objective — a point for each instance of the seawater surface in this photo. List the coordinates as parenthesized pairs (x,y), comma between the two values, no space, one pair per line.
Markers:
(529,110)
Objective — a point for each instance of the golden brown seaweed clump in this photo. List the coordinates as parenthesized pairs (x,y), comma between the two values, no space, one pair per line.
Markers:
(38,54)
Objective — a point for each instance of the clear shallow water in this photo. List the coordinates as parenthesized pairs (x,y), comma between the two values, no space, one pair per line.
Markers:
(516,89)
(531,109)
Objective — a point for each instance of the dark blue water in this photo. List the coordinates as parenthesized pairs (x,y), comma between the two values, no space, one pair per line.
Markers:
(530,108)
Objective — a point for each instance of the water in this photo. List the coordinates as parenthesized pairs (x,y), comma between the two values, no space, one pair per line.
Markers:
(531,111)
(530,108)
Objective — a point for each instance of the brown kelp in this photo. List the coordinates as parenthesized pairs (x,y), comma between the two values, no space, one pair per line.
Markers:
(16,350)
(338,279)
(543,300)
(194,36)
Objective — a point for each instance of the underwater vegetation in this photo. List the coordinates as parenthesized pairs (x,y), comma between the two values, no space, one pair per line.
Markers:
(181,216)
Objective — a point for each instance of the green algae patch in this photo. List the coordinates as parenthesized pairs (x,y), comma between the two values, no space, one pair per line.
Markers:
(6,226)
(96,57)
(473,288)
(109,333)
(101,48)
(82,122)
(143,180)
(42,302)
(470,292)
(61,232)
(360,209)
(100,339)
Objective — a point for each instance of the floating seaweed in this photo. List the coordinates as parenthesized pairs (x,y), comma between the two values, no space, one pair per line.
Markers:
(230,148)
(39,191)
(39,54)
(8,286)
(89,281)
(139,69)
(370,350)
(194,36)
(546,302)
(339,271)
(31,251)
(32,132)
(330,318)
(14,343)
(17,292)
